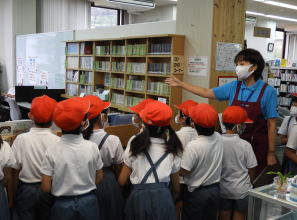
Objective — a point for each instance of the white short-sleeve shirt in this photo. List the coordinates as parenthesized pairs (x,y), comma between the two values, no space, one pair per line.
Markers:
(203,158)
(140,165)
(292,139)
(284,129)
(111,151)
(29,149)
(72,163)
(6,158)
(186,134)
(238,158)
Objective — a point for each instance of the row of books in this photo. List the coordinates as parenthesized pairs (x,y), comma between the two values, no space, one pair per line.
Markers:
(86,77)
(118,83)
(132,100)
(136,67)
(160,48)
(290,77)
(86,48)
(288,88)
(284,101)
(72,89)
(72,49)
(102,65)
(274,81)
(72,75)
(88,90)
(86,62)
(117,98)
(136,50)
(118,66)
(118,50)
(102,50)
(72,62)
(158,88)
(159,68)
(106,79)
(136,85)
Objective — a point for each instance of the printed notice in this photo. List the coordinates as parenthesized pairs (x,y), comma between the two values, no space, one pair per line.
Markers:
(198,66)
(226,53)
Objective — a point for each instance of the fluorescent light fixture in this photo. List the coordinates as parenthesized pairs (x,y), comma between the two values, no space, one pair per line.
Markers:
(271,16)
(279,4)
(254,13)
(142,3)
(281,18)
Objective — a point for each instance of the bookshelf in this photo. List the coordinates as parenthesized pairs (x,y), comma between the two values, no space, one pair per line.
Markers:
(132,69)
(284,80)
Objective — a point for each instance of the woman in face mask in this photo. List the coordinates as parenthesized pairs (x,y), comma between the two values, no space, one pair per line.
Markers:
(255,96)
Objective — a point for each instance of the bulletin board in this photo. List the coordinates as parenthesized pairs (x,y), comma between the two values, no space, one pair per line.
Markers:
(40,59)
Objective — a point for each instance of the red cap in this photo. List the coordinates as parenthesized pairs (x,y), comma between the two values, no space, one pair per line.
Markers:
(185,106)
(204,115)
(97,105)
(294,94)
(140,106)
(156,113)
(70,113)
(235,115)
(42,109)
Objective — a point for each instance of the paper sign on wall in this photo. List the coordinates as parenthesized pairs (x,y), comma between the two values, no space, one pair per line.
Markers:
(198,66)
(226,53)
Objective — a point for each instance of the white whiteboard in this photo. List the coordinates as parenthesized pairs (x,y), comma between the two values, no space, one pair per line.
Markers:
(40,59)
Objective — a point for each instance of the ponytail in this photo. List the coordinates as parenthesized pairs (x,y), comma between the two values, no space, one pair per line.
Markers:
(142,142)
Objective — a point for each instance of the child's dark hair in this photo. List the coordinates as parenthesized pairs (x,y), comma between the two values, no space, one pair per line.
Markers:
(229,126)
(89,131)
(187,119)
(254,57)
(204,131)
(294,98)
(142,142)
(1,141)
(43,125)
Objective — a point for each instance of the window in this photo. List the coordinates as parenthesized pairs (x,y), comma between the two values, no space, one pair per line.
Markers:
(102,17)
(279,44)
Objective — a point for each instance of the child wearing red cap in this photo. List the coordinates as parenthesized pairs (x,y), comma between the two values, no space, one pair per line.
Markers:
(201,166)
(151,161)
(109,192)
(237,167)
(29,149)
(6,162)
(73,166)
(186,134)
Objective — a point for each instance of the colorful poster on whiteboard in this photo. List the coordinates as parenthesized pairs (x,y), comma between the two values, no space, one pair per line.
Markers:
(225,55)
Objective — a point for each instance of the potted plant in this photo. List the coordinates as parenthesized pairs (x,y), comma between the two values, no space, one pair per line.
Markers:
(281,182)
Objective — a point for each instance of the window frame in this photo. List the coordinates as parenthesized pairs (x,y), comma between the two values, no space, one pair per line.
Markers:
(284,42)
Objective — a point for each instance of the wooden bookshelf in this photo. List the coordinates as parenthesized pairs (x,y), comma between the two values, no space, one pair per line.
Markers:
(143,62)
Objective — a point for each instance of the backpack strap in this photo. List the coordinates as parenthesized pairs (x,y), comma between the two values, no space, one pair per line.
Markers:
(103,141)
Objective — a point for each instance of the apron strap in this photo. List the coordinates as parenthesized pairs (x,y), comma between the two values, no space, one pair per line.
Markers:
(237,90)
(153,168)
(100,145)
(262,92)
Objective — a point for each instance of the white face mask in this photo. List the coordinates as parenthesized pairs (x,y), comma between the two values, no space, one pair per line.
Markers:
(86,124)
(293,110)
(239,129)
(242,72)
(104,120)
(137,125)
(176,119)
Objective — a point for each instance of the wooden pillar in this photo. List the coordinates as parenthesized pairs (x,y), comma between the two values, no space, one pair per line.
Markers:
(228,26)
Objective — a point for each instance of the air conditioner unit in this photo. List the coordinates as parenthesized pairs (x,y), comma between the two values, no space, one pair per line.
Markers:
(142,3)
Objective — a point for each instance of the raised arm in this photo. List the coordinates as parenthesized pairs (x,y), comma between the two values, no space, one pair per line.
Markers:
(203,92)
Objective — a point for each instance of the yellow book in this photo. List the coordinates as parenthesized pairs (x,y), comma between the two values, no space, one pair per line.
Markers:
(283,63)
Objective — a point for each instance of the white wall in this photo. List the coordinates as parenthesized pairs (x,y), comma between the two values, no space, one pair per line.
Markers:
(16,17)
(152,28)
(260,43)
(161,13)
(194,19)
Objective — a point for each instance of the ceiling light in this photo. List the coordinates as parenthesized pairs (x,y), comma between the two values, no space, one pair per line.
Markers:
(271,16)
(254,13)
(279,4)
(142,3)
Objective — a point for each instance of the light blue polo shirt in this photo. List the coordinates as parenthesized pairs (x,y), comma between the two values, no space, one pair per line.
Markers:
(268,101)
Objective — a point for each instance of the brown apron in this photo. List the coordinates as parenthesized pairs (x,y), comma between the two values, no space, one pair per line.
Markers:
(255,133)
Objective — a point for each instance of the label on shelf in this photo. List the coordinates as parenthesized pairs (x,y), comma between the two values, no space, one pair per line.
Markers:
(178,64)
